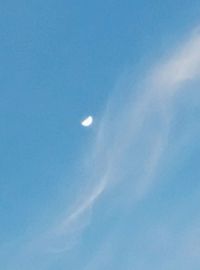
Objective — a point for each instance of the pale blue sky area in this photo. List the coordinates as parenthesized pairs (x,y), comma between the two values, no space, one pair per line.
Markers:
(123,194)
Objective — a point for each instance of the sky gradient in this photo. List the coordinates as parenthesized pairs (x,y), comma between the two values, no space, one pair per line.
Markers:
(125,192)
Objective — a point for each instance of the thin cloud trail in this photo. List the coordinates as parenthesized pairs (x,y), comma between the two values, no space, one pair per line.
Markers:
(87,204)
(129,124)
(182,66)
(130,143)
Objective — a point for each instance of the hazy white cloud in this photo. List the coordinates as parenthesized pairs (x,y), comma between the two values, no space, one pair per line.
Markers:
(132,137)
(130,144)
(85,205)
(183,65)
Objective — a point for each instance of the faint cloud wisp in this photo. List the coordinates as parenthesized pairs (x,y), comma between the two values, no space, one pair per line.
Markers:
(132,138)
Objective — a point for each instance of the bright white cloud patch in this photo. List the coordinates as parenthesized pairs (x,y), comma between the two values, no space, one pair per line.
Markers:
(87,121)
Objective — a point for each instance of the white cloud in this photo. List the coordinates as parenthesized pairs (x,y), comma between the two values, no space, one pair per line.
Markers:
(183,65)
(130,143)
(132,137)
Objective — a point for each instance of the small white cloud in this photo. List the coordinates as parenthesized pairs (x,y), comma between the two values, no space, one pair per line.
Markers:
(87,121)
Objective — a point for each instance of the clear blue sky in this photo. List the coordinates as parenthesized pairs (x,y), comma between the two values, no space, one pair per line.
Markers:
(123,193)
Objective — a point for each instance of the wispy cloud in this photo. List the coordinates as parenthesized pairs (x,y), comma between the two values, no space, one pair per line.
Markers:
(133,136)
(183,65)
(130,144)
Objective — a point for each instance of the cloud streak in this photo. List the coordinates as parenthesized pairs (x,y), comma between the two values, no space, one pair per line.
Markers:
(132,138)
(183,65)
(129,148)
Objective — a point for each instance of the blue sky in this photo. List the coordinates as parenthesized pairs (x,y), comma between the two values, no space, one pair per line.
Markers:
(124,193)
